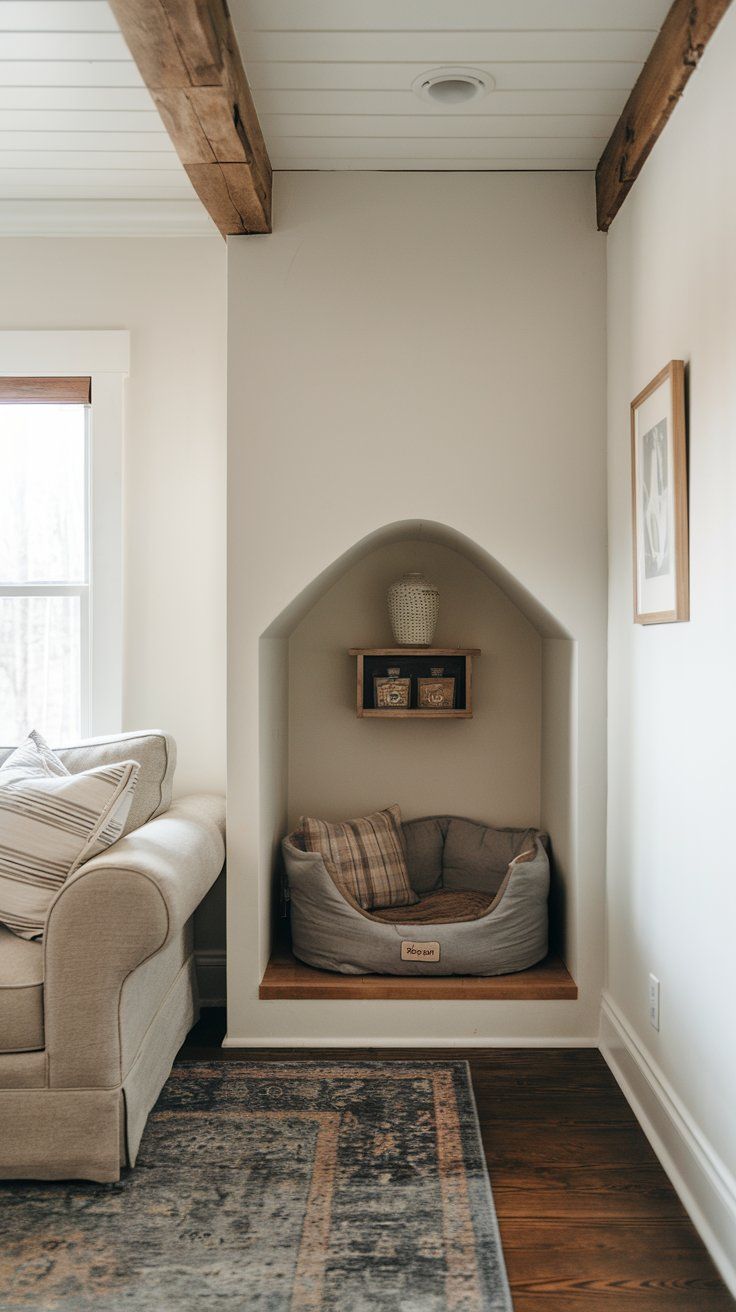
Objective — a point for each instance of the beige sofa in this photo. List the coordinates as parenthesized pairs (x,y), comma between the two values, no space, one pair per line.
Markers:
(91,1017)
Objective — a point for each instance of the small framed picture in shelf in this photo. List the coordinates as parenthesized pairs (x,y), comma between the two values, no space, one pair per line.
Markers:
(391,691)
(436,693)
(659,499)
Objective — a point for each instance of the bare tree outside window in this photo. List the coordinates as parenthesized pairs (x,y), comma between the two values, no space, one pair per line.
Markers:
(44,570)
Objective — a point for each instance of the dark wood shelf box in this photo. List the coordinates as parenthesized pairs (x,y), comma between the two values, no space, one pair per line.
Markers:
(415,663)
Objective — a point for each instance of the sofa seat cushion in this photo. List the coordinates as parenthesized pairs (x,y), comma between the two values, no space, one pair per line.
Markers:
(21,993)
(442,907)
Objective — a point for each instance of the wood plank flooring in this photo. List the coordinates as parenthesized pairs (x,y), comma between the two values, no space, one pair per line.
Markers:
(589,1220)
(285,977)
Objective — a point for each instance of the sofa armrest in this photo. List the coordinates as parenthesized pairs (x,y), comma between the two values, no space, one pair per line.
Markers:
(113,914)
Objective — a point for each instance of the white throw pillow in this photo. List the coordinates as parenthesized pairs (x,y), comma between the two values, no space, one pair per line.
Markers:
(52,821)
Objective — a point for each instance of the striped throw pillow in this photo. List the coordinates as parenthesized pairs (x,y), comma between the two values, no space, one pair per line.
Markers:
(366,856)
(52,821)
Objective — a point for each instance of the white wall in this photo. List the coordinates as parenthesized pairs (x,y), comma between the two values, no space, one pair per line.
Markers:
(170,294)
(672,690)
(413,347)
(559,797)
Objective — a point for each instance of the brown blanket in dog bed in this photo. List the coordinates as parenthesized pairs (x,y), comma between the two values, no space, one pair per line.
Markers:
(439,908)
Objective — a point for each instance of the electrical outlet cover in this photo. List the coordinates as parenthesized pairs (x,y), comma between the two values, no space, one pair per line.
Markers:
(654,1002)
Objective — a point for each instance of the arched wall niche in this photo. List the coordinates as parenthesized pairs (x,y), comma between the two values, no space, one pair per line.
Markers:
(428,531)
(513,763)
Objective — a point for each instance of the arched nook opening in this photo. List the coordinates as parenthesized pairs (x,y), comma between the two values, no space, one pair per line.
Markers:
(513,763)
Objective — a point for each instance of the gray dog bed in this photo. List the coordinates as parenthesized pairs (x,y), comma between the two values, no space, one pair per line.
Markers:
(482,907)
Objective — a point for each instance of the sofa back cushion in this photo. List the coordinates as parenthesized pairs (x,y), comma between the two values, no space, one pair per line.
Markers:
(51,822)
(478,856)
(155,754)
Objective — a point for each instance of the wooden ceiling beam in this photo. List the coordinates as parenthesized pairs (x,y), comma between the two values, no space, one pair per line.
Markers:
(675,55)
(188,57)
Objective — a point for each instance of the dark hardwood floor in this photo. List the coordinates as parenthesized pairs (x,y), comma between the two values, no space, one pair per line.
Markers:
(588,1217)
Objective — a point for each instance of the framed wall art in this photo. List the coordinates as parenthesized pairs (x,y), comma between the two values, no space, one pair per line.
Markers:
(659,499)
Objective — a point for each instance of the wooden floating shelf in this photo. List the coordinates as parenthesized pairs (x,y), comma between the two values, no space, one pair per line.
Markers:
(415,663)
(418,714)
(414,651)
(285,977)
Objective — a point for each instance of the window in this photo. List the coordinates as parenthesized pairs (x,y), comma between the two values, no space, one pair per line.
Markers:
(44,560)
(60,536)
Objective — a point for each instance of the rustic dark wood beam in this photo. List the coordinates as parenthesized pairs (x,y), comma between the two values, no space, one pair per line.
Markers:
(675,55)
(188,56)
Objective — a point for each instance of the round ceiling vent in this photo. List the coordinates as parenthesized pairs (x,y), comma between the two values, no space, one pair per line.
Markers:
(452,86)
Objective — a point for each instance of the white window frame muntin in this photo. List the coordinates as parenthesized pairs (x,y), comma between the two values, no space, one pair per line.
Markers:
(103,356)
(106,553)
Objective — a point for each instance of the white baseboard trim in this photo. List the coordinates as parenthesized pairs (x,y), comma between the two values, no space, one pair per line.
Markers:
(704,1184)
(452,1041)
(211,976)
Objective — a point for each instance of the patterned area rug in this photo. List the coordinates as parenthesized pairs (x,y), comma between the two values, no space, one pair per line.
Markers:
(280,1187)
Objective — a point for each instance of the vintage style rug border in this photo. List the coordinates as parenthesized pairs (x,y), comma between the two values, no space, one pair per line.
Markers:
(340,1185)
(464,1280)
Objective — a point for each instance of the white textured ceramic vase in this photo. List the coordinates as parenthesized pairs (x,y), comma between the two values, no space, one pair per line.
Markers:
(413,606)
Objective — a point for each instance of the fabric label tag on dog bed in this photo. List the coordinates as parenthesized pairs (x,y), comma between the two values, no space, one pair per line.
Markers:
(412,951)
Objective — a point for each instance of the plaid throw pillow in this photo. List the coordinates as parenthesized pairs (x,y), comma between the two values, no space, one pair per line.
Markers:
(367,856)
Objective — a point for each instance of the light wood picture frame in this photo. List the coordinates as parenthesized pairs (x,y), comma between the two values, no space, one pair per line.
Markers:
(659,499)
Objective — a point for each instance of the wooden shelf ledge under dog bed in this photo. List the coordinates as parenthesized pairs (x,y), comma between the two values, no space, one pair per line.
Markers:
(285,977)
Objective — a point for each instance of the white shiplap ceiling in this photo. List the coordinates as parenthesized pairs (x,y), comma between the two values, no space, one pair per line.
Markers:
(332,79)
(82,147)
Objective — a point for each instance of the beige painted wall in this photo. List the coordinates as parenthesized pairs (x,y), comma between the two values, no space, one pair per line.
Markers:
(487,768)
(412,347)
(672,693)
(170,294)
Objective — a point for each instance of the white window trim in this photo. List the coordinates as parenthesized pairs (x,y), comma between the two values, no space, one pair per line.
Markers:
(104,356)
